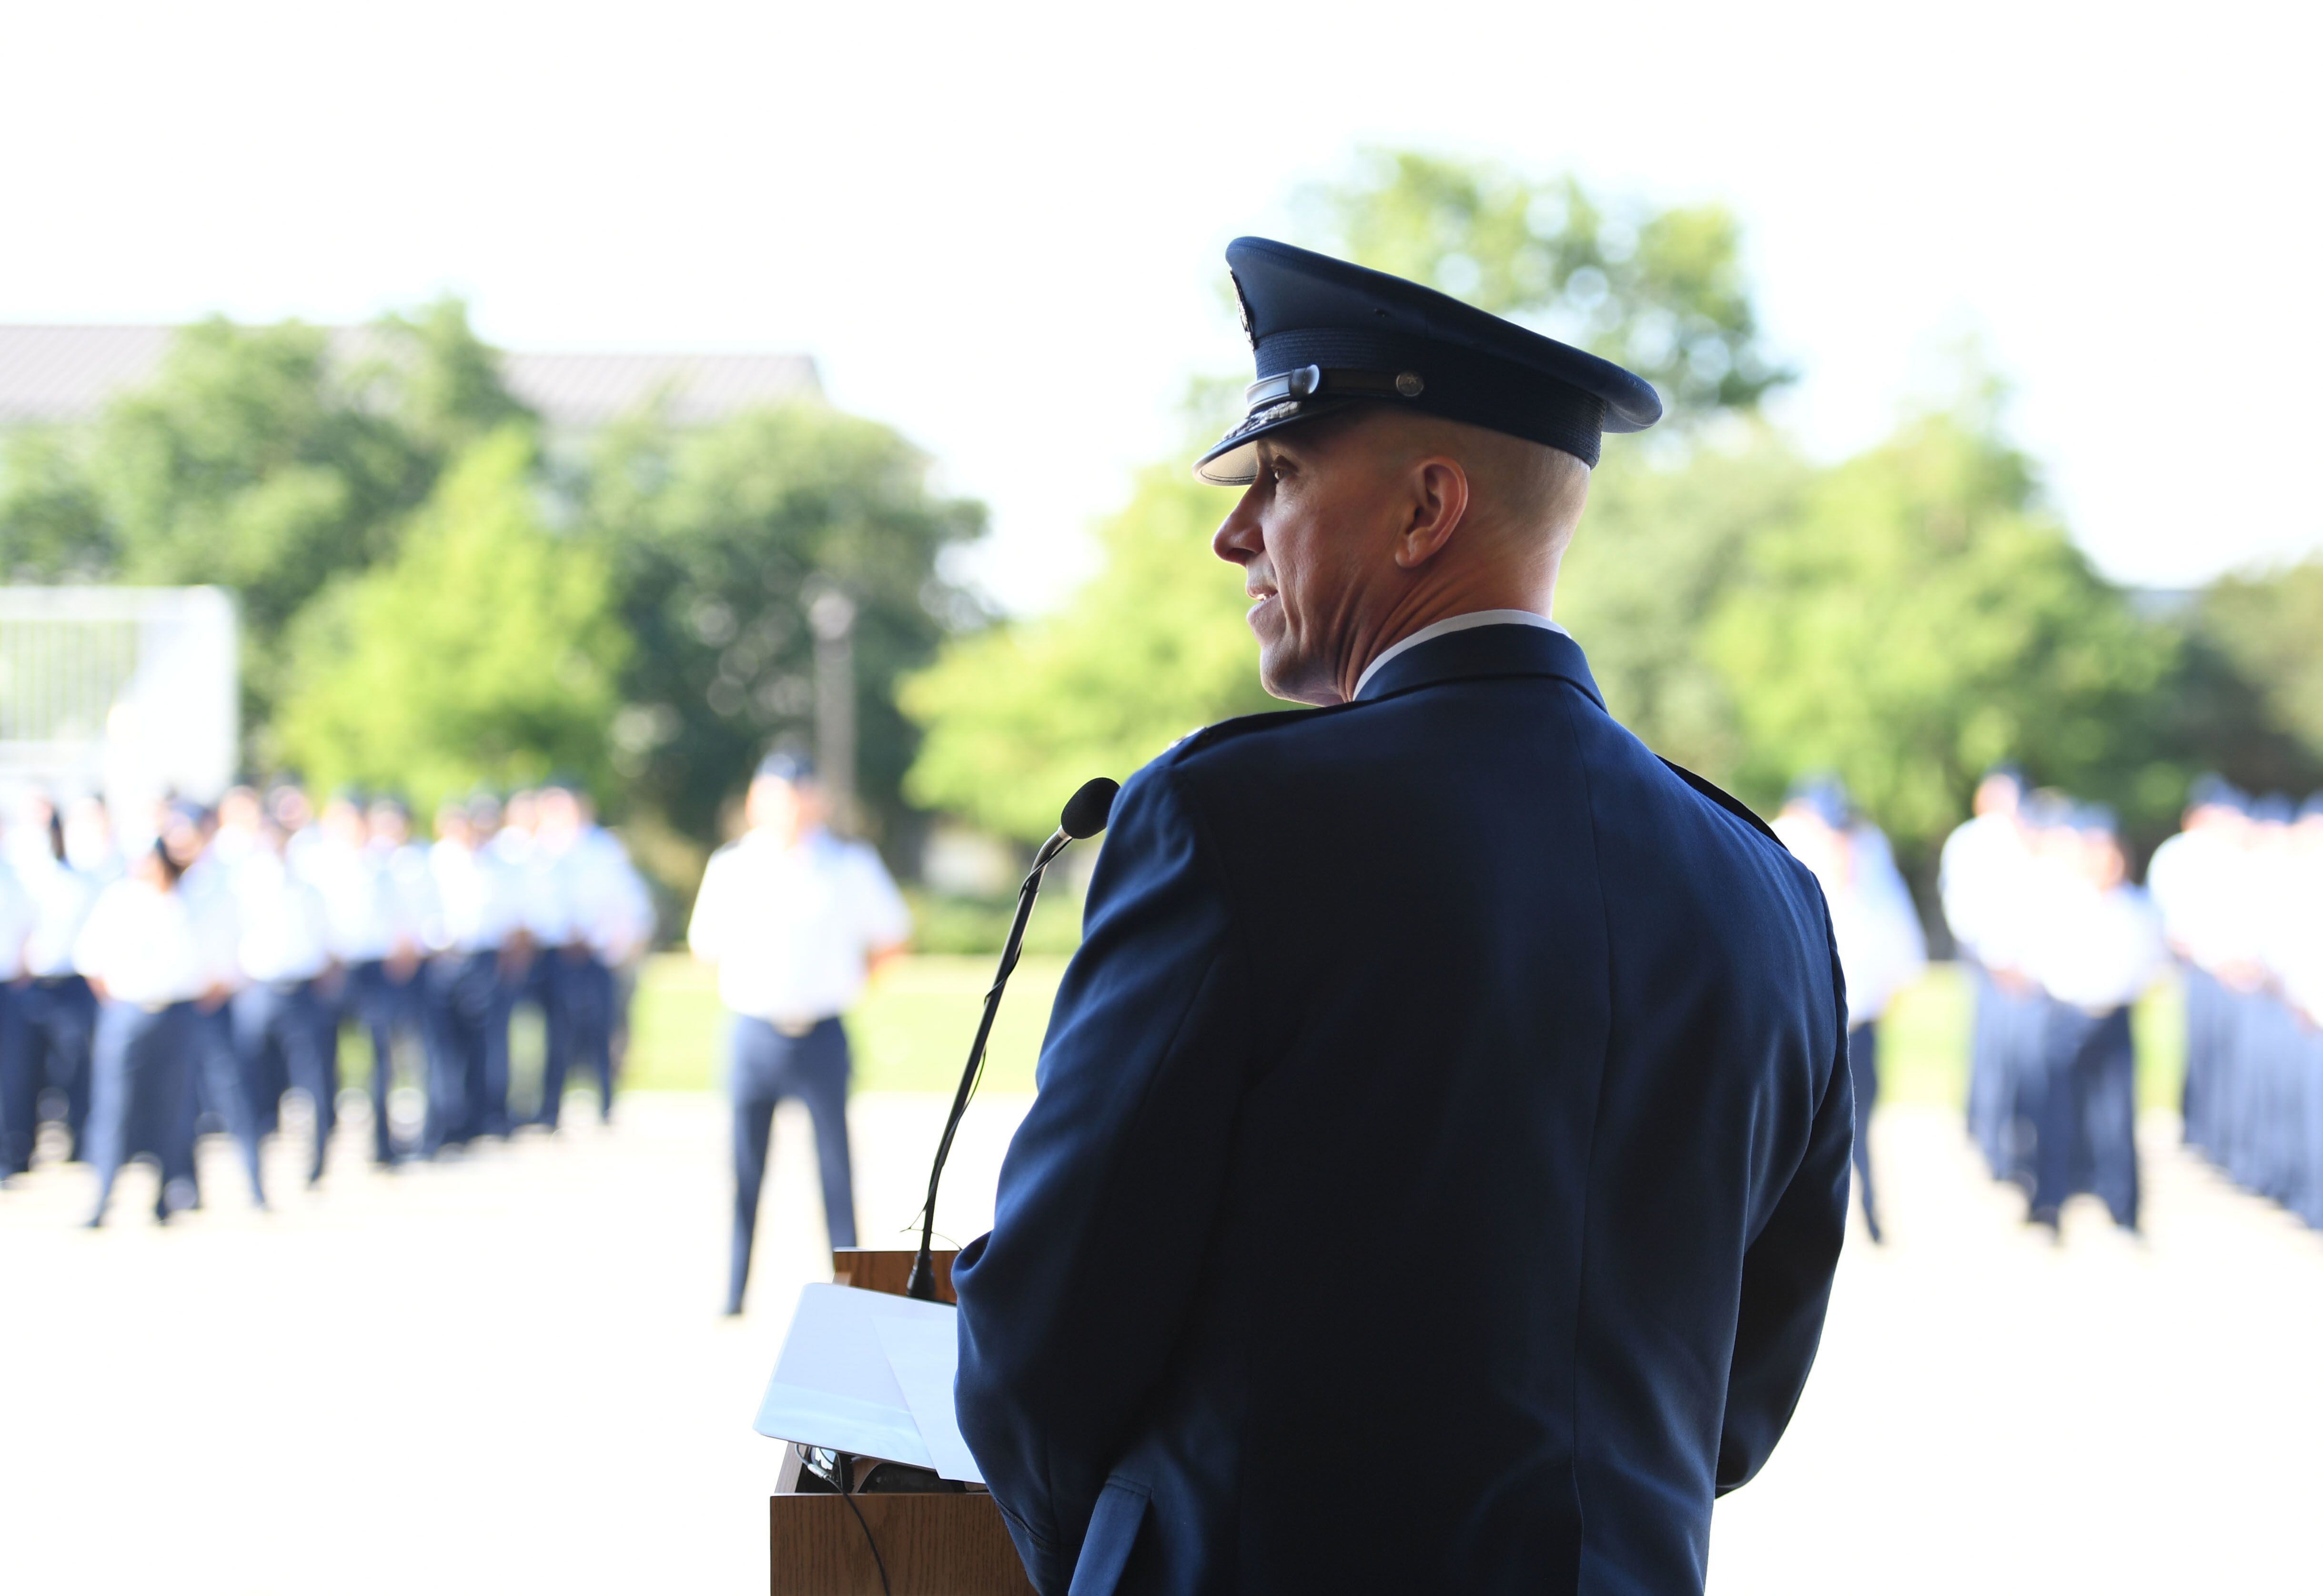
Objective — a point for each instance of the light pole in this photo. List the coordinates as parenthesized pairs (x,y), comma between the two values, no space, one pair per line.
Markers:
(832,615)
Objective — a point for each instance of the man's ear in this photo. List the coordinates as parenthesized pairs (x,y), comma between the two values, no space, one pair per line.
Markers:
(1437,486)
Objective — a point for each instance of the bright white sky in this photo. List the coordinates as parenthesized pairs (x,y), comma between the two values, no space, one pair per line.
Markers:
(999,228)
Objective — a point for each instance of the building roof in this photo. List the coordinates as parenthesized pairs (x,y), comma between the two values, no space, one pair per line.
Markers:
(51,374)
(586,390)
(67,373)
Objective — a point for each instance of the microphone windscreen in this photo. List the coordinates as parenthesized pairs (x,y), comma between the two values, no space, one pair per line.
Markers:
(1087,811)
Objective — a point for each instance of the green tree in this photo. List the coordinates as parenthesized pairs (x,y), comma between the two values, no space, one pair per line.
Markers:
(1659,547)
(718,540)
(1155,644)
(2268,627)
(1152,648)
(1904,618)
(257,459)
(53,525)
(2222,711)
(1660,291)
(1918,619)
(244,464)
(440,382)
(485,652)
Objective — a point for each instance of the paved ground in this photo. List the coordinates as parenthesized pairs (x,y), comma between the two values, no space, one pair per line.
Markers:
(506,1373)
(1993,1413)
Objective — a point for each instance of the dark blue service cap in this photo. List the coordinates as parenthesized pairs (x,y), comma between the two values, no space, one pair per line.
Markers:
(783,766)
(2048,810)
(1822,797)
(1328,333)
(2214,792)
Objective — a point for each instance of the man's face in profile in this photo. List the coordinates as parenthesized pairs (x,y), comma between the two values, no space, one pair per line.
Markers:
(1308,532)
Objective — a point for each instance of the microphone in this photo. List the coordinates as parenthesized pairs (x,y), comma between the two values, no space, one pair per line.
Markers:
(1086,814)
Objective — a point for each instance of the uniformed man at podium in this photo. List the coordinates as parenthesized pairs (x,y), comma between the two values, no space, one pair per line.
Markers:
(1441,1151)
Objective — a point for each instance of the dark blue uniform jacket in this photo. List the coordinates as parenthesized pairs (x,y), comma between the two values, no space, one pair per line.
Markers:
(1439,1163)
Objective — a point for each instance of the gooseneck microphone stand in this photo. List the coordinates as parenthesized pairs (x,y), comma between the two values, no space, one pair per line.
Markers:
(1085,816)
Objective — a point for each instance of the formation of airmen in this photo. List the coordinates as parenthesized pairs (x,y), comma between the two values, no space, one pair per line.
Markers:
(147,991)
(2240,890)
(2061,944)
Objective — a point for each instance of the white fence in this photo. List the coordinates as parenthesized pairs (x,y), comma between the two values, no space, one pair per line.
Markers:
(130,692)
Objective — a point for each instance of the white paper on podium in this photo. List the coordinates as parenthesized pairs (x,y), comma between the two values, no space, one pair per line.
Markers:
(924,1351)
(840,1381)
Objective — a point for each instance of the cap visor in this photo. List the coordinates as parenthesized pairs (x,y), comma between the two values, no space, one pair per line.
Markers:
(1233,461)
(1234,466)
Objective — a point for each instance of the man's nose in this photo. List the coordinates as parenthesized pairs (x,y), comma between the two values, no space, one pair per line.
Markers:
(1238,537)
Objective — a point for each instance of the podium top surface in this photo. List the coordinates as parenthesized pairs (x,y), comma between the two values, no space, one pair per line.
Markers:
(872,1268)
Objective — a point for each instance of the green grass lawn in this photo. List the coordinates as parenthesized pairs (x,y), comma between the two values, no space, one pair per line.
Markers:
(1923,1043)
(912,1031)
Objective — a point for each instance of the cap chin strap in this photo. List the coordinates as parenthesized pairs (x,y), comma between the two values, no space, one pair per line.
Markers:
(1338,382)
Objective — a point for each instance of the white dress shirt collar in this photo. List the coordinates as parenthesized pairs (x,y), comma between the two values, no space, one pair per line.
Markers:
(1457,623)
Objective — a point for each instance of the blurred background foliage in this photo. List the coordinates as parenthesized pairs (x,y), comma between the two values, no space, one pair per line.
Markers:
(1659,292)
(481,652)
(1905,617)
(1152,648)
(435,595)
(718,540)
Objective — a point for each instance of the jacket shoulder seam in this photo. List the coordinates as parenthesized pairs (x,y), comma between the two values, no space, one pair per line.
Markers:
(1724,800)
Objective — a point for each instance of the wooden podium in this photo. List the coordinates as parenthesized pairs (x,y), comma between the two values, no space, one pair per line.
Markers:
(932,1544)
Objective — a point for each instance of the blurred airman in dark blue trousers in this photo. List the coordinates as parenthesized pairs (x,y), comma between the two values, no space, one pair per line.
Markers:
(2095,946)
(1881,947)
(2241,890)
(2038,896)
(282,1017)
(205,847)
(141,949)
(528,968)
(2190,878)
(375,895)
(1441,1151)
(607,919)
(473,919)
(796,919)
(52,1013)
(19,1065)
(1982,875)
